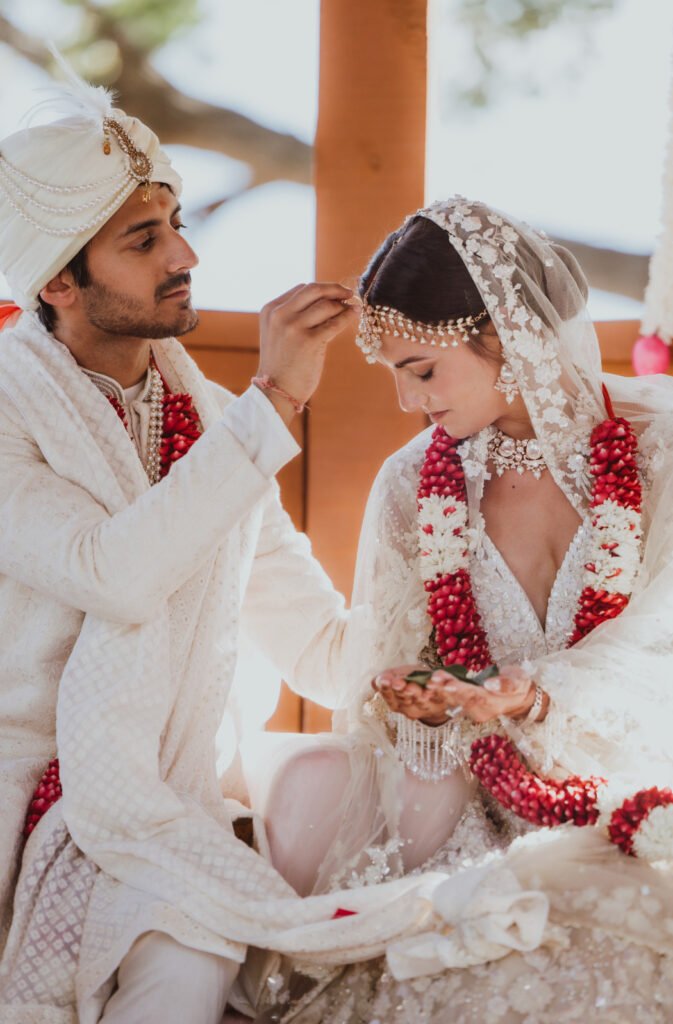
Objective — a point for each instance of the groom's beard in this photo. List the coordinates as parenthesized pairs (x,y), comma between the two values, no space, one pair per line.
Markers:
(119,314)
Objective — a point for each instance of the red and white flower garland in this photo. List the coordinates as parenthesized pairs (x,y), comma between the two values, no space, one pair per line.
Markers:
(641,824)
(180,426)
(180,429)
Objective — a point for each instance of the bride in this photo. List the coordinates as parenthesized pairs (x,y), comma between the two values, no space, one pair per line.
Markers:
(529,528)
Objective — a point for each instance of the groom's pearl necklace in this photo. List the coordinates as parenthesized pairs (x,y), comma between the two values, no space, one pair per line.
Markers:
(508,453)
(153,467)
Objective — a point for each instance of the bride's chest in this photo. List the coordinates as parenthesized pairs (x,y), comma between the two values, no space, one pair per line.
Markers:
(532,525)
(511,621)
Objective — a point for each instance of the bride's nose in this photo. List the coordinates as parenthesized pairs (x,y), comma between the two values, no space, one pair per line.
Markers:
(410,392)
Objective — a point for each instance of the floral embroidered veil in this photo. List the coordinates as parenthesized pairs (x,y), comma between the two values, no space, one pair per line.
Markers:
(611,710)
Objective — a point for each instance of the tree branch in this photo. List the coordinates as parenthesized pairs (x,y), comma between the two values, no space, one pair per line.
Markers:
(182,119)
(27,46)
(624,273)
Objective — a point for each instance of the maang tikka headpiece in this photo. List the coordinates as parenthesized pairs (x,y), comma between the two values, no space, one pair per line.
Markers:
(377,320)
(140,165)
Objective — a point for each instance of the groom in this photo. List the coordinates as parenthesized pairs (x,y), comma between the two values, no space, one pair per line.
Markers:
(123,585)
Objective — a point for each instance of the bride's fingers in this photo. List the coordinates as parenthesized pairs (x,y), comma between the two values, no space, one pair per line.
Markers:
(508,686)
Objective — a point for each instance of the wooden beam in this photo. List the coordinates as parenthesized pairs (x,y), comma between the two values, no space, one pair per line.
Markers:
(369,174)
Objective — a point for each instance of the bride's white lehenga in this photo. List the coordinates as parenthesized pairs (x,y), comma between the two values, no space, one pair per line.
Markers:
(607,950)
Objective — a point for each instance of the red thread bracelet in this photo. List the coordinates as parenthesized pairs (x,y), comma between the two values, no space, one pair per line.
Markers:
(266,384)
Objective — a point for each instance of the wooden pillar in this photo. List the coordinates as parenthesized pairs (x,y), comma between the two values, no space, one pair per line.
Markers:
(369,174)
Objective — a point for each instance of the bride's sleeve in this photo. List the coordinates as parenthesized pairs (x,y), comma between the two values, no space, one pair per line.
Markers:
(611,694)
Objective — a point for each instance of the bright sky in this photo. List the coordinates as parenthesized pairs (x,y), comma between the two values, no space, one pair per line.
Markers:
(583,158)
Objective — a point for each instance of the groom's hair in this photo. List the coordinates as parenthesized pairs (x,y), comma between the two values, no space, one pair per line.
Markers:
(418,272)
(79,268)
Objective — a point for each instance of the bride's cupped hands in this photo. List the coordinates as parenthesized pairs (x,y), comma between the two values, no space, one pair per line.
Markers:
(510,693)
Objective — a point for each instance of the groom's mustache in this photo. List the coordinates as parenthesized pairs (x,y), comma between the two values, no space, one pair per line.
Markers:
(173,283)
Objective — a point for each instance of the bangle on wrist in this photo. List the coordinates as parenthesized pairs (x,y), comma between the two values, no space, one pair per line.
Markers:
(536,709)
(266,384)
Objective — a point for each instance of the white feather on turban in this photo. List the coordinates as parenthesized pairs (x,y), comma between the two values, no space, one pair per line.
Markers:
(60,182)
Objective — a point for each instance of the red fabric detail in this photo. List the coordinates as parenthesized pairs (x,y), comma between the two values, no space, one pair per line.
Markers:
(6,312)
(340,912)
(608,403)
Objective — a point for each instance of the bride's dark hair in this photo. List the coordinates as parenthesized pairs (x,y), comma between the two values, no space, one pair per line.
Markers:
(421,275)
(418,272)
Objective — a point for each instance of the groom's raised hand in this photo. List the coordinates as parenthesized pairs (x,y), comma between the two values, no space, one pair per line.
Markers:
(295,330)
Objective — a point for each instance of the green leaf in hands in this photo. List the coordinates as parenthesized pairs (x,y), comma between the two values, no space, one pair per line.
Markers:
(422,676)
(486,673)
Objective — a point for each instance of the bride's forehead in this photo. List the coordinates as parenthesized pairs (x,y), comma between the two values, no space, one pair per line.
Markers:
(395,349)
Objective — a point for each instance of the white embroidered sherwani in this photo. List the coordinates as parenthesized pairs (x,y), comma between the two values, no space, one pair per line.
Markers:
(120,608)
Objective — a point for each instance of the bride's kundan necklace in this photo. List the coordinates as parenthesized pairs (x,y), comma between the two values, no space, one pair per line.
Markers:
(609,572)
(522,455)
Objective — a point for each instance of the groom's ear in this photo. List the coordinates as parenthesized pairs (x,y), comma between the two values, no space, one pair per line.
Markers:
(60,291)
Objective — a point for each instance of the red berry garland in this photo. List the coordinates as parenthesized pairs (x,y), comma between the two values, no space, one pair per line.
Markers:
(613,466)
(625,821)
(180,427)
(460,637)
(180,431)
(47,793)
(497,765)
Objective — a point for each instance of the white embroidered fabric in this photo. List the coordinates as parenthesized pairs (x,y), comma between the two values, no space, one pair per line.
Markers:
(606,955)
(120,609)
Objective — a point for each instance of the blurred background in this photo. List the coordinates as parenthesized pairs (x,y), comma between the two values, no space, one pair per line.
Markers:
(307,129)
(554,110)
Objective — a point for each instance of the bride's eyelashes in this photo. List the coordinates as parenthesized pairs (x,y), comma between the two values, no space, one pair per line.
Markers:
(426,376)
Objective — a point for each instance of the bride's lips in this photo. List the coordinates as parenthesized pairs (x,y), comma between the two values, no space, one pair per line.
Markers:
(435,416)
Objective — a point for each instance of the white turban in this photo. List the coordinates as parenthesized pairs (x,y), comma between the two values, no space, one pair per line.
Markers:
(60,182)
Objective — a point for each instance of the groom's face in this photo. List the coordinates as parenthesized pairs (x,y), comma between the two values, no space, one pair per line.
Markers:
(139,269)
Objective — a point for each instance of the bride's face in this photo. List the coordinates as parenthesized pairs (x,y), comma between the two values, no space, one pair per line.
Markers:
(453,385)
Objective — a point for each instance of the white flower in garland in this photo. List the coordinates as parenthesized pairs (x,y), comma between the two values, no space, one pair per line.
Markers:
(654,837)
(614,569)
(442,522)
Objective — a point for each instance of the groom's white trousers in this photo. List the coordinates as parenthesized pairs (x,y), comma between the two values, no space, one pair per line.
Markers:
(160,981)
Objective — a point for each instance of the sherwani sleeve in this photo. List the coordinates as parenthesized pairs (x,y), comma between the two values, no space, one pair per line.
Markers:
(293,614)
(59,540)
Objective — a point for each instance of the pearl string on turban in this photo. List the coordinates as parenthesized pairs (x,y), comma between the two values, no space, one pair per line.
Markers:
(60,182)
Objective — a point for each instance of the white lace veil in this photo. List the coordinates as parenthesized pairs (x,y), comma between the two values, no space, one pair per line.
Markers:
(610,692)
(535,293)
(611,711)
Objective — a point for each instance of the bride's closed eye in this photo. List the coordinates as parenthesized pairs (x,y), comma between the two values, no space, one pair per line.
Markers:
(426,376)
